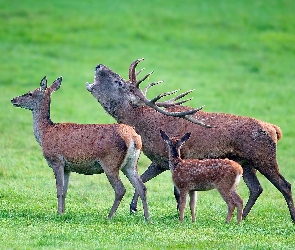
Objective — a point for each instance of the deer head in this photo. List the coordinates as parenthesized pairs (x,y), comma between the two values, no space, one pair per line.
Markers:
(33,99)
(114,93)
(174,144)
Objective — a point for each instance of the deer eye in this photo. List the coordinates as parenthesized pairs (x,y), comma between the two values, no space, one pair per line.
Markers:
(119,83)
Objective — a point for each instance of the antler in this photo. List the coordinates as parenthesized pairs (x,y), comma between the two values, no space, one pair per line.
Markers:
(170,102)
(133,74)
(187,115)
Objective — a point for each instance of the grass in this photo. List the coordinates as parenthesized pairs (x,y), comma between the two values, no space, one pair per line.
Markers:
(237,55)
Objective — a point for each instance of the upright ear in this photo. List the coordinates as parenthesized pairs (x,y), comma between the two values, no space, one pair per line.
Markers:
(56,84)
(43,84)
(184,138)
(164,136)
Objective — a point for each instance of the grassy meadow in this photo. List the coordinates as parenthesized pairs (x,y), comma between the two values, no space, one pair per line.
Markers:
(239,56)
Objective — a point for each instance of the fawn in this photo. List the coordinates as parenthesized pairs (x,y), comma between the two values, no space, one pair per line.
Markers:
(191,175)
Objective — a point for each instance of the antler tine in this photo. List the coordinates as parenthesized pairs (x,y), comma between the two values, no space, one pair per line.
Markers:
(139,71)
(183,94)
(163,94)
(145,77)
(181,102)
(172,101)
(182,114)
(132,74)
(151,85)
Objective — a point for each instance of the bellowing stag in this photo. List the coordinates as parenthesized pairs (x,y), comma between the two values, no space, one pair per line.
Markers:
(251,142)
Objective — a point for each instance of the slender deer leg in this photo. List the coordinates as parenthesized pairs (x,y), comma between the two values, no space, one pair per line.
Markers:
(239,205)
(59,177)
(182,203)
(192,204)
(228,198)
(176,195)
(65,189)
(152,171)
(283,186)
(139,187)
(250,178)
(119,192)
(231,208)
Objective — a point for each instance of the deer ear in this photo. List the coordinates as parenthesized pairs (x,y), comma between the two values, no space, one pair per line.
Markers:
(56,84)
(185,137)
(164,136)
(43,84)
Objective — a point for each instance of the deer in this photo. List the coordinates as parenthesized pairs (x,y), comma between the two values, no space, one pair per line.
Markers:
(246,140)
(84,148)
(191,175)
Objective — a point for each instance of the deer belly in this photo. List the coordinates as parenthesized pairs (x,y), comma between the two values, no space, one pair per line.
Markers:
(202,186)
(87,168)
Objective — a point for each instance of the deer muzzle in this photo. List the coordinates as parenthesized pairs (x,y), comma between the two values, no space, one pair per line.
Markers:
(89,86)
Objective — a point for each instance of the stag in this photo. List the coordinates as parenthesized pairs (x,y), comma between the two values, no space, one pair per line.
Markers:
(246,140)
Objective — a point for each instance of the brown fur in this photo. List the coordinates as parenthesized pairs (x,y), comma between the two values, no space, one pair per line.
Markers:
(192,175)
(251,142)
(84,148)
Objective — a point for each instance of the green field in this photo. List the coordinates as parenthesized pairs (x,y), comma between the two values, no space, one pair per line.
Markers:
(239,56)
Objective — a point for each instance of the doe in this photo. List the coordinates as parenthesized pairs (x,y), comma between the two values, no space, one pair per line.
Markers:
(84,148)
(191,175)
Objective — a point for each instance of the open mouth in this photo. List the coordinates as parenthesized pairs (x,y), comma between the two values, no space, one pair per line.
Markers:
(14,103)
(89,86)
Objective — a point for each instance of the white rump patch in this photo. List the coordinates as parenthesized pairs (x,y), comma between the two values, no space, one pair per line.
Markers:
(238,178)
(131,156)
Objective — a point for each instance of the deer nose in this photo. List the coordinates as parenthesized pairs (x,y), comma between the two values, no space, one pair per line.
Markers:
(98,67)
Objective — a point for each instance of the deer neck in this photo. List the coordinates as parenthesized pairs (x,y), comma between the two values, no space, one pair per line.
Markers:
(173,162)
(132,115)
(127,114)
(41,120)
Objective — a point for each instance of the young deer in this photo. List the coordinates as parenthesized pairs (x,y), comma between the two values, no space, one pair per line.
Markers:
(192,175)
(84,148)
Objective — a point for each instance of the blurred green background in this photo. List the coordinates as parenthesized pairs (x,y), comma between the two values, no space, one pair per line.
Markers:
(239,56)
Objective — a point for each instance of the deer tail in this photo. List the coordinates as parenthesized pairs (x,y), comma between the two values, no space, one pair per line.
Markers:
(278,131)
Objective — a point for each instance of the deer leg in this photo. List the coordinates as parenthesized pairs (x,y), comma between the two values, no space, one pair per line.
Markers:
(59,178)
(282,185)
(119,192)
(239,205)
(192,204)
(231,208)
(152,171)
(182,203)
(176,195)
(250,178)
(140,188)
(228,198)
(65,190)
